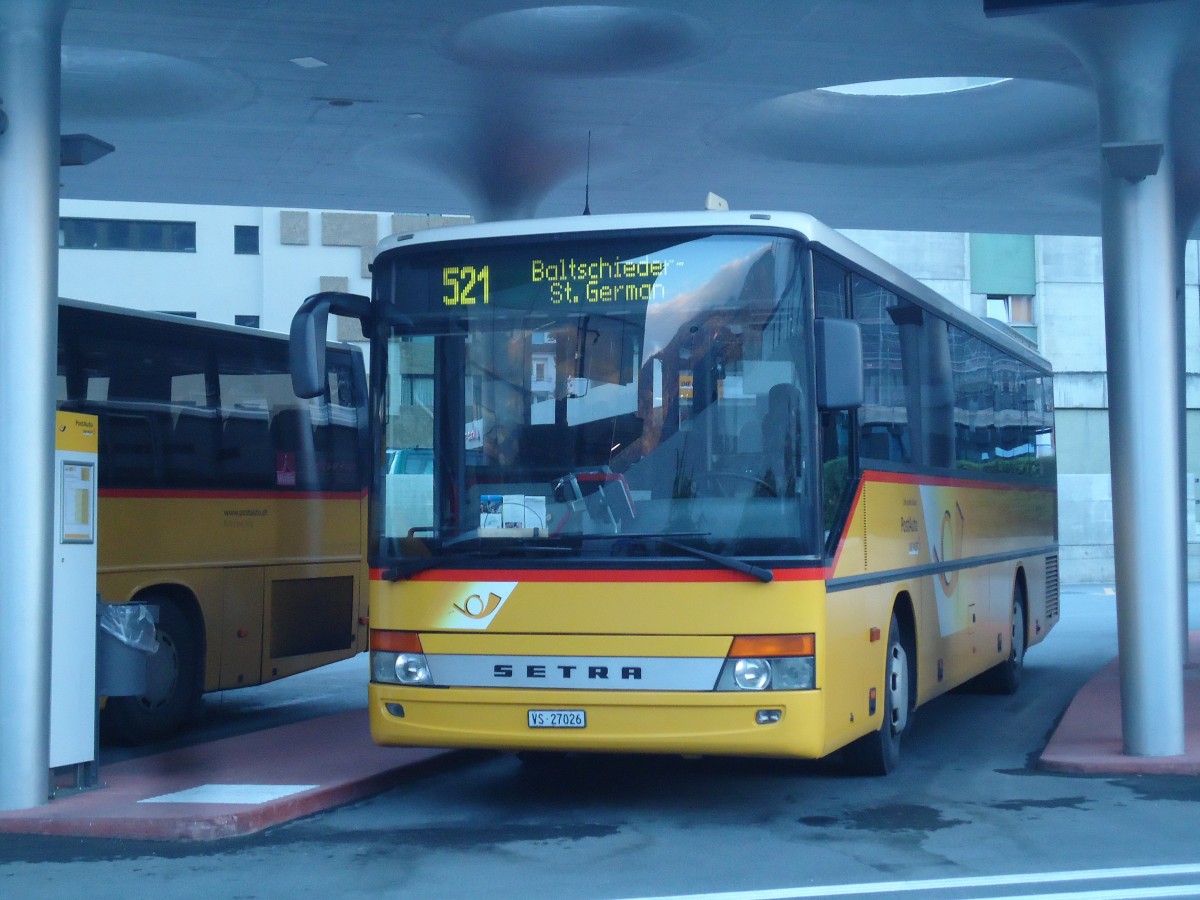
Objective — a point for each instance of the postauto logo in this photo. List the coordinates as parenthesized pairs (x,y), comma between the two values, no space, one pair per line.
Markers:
(477,604)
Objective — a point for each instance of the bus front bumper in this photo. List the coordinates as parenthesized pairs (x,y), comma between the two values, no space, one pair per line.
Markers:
(773,723)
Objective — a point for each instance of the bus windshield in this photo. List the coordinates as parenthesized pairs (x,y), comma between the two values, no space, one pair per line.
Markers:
(589,396)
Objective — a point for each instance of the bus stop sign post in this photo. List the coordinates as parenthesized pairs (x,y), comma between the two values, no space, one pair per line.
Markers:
(74,621)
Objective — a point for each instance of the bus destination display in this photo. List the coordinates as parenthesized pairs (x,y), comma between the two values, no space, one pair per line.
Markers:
(561,280)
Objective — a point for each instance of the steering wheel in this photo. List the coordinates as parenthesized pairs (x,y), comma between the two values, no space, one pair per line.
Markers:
(723,481)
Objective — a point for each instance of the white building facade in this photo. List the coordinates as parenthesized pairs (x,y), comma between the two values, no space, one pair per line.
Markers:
(253,266)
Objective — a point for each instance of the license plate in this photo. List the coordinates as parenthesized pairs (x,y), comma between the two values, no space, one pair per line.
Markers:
(557,718)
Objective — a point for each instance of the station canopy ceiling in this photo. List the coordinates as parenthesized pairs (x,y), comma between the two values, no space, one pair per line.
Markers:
(952,121)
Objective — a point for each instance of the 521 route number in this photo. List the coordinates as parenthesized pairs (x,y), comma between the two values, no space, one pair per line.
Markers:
(466,285)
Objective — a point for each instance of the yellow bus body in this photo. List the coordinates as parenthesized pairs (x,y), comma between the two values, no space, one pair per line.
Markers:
(279,579)
(948,552)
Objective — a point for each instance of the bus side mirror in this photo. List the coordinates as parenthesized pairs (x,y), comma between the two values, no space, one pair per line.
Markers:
(839,364)
(306,349)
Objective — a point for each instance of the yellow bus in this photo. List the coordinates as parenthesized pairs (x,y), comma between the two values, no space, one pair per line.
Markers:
(235,507)
(711,483)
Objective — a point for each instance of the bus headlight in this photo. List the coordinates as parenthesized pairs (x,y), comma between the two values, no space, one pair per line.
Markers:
(412,668)
(782,662)
(794,673)
(397,657)
(400,668)
(752,674)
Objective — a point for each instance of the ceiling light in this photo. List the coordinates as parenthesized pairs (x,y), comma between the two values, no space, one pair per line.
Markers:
(914,87)
(82,149)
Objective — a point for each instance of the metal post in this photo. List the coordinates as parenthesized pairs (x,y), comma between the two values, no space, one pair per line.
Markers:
(1132,52)
(1186,143)
(30,50)
(1145,395)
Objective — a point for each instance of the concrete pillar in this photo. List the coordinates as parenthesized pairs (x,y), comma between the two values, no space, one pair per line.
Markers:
(30,50)
(1132,52)
(1186,145)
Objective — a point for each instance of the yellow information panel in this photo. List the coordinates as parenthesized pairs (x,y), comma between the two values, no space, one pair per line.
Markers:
(76,431)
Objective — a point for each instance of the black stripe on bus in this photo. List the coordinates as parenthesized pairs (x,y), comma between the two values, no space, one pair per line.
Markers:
(975,562)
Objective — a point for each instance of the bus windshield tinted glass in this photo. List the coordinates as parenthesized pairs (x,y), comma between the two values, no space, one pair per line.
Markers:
(591,395)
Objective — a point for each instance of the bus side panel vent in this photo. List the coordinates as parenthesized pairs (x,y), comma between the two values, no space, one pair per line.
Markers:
(309,615)
(1052,587)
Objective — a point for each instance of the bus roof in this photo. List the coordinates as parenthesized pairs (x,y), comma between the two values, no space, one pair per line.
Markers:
(812,230)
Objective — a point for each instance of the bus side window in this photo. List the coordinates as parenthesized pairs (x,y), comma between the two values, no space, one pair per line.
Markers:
(129,444)
(336,429)
(295,449)
(247,460)
(829,288)
(836,475)
(884,420)
(191,457)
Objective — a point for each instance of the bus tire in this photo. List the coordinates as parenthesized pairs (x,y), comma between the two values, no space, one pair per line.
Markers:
(878,753)
(1005,677)
(172,696)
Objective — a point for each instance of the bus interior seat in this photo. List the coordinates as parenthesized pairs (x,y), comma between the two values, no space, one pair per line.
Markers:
(191,457)
(781,439)
(337,455)
(293,439)
(131,443)
(247,459)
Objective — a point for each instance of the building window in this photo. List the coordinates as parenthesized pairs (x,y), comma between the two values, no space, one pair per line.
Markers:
(126,234)
(245,240)
(1016,311)
(417,390)
(246,321)
(1012,309)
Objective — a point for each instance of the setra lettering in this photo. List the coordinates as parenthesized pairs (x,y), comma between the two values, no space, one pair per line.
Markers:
(566,672)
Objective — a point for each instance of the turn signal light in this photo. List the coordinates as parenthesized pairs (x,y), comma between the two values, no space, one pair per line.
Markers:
(397,641)
(773,645)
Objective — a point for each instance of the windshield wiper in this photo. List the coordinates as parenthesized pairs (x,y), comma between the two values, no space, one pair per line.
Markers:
(667,540)
(730,562)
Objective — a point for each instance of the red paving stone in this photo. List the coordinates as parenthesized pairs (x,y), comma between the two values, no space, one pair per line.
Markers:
(1088,739)
(335,753)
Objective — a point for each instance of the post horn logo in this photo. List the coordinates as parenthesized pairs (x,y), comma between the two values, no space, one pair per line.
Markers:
(476,607)
(952,529)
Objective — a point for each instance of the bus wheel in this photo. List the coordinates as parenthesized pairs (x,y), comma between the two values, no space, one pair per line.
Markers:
(1005,677)
(172,686)
(878,753)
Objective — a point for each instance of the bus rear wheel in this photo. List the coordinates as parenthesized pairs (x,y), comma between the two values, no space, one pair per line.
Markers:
(172,695)
(1005,677)
(878,753)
